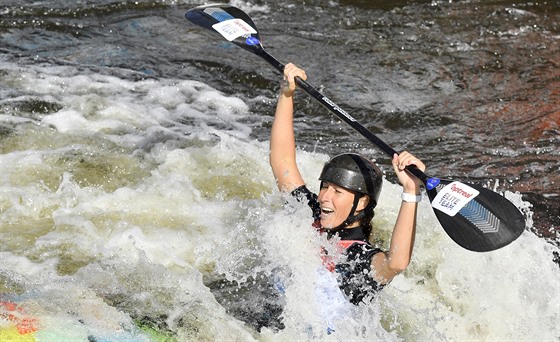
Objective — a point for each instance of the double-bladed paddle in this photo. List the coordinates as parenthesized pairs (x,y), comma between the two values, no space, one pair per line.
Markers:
(475,217)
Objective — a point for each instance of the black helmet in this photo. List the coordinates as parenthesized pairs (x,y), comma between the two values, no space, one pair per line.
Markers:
(356,173)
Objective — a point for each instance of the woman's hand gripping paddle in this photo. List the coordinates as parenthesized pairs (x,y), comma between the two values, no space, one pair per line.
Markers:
(476,218)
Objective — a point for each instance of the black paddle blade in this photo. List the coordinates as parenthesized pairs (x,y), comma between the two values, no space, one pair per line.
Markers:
(486,222)
(230,22)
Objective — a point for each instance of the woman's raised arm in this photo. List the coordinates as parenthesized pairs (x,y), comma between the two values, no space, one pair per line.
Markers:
(282,139)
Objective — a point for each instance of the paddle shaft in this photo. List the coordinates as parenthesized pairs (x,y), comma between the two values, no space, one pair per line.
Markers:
(343,115)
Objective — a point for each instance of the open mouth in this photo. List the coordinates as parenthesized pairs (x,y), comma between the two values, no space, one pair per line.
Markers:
(326,211)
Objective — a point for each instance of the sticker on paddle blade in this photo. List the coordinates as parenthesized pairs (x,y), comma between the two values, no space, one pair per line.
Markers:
(453,197)
(234,28)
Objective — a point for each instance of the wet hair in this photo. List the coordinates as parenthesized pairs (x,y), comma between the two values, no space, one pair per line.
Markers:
(365,223)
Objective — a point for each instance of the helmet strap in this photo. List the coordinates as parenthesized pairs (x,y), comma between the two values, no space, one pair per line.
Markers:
(351,217)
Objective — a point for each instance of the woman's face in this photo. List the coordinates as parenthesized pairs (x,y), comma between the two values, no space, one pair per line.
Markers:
(336,203)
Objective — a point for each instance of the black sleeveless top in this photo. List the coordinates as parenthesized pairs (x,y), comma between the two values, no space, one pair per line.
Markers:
(353,275)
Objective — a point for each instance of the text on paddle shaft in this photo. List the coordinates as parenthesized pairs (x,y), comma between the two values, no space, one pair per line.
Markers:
(338,109)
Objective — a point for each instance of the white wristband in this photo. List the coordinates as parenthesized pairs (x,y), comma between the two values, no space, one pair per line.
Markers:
(411,198)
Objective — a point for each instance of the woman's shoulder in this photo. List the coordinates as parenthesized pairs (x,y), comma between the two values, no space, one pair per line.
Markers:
(361,250)
(302,192)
